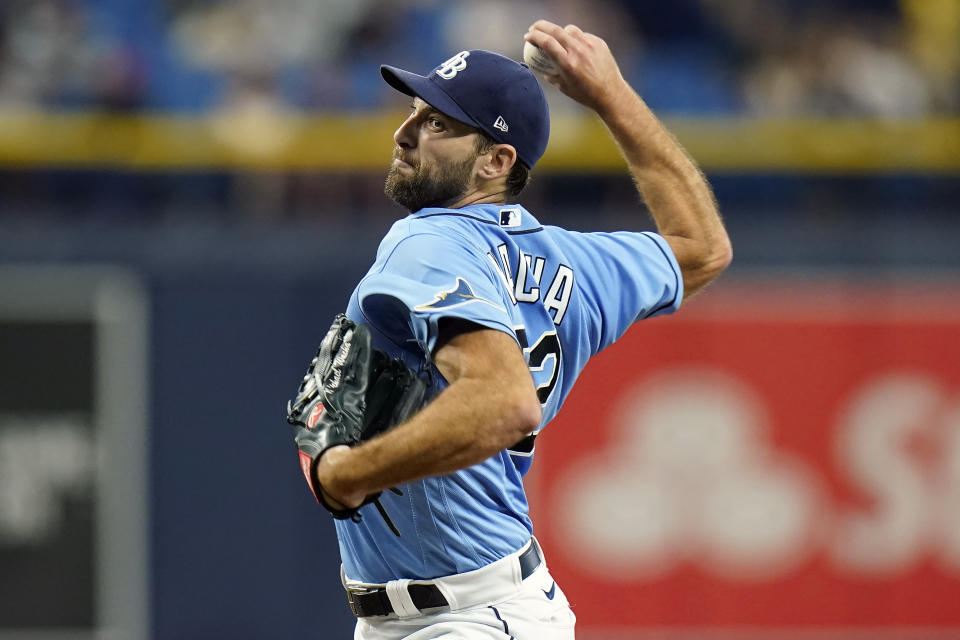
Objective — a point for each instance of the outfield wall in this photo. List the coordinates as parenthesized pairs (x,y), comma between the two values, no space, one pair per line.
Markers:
(825,399)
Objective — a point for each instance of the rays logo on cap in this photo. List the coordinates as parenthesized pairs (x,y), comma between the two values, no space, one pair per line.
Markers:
(461,294)
(449,69)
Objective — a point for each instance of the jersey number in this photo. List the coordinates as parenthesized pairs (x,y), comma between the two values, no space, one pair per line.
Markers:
(544,353)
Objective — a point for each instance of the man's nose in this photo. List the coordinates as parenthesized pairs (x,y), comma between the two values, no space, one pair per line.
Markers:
(405,136)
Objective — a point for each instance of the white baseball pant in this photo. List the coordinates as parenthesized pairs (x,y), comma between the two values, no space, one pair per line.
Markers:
(491,603)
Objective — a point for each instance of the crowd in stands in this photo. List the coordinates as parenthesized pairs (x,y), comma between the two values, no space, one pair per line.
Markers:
(700,58)
(896,58)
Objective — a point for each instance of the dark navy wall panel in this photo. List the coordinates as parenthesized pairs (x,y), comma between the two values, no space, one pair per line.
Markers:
(241,550)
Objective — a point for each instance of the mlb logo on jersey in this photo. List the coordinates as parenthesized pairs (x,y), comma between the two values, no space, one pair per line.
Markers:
(510,218)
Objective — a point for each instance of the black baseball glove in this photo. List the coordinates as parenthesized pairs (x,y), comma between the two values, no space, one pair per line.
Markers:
(350,393)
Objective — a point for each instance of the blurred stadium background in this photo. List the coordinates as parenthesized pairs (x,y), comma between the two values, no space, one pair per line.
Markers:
(189,190)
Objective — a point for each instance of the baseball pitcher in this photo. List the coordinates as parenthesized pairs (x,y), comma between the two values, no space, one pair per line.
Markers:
(419,416)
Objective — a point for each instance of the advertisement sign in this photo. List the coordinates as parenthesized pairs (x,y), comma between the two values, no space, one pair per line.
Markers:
(73,548)
(47,465)
(779,458)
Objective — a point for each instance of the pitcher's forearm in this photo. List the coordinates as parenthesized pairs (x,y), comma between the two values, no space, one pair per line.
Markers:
(672,186)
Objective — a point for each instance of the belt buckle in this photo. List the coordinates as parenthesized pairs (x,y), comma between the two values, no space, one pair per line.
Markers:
(353,593)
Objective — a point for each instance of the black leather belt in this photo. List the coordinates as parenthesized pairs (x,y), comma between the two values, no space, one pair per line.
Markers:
(374,601)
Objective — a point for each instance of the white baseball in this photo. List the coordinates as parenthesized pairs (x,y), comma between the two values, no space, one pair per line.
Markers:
(537,60)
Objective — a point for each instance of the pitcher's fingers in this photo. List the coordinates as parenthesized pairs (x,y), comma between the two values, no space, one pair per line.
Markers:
(552,29)
(546,26)
(547,43)
(571,37)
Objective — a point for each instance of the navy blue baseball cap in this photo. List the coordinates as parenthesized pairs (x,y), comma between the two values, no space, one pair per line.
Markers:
(493,93)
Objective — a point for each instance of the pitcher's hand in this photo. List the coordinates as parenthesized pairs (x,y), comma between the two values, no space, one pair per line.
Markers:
(586,70)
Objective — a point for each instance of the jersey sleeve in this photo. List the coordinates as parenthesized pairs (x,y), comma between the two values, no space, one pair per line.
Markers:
(426,277)
(632,276)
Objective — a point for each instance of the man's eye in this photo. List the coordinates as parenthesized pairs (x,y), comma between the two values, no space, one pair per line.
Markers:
(435,123)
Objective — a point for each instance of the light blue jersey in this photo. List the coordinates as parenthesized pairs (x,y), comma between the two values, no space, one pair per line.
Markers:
(561,294)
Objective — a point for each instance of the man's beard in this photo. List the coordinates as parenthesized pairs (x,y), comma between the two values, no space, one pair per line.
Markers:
(434,186)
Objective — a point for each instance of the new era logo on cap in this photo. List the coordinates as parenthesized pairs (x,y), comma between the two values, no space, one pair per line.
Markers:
(488,91)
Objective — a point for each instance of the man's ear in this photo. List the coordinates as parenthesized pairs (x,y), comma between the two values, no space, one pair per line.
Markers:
(497,162)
